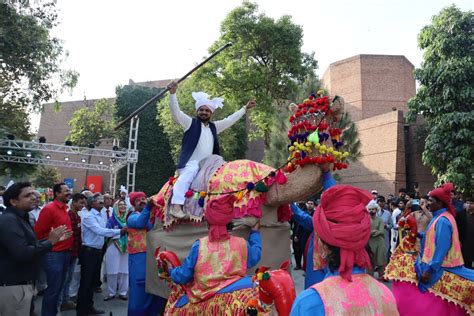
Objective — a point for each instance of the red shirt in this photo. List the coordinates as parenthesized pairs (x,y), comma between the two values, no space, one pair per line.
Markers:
(53,215)
(76,229)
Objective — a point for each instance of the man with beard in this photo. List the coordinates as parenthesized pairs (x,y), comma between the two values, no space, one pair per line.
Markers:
(56,262)
(199,141)
(138,224)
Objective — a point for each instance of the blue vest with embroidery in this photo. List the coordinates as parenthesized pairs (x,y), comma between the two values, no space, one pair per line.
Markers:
(191,139)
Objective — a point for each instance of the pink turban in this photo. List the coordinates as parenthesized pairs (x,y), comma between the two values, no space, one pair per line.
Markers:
(136,195)
(443,194)
(219,213)
(342,220)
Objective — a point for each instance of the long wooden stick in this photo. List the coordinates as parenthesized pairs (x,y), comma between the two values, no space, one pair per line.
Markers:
(159,95)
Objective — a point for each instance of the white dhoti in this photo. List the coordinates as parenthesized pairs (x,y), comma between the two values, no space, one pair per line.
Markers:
(185,178)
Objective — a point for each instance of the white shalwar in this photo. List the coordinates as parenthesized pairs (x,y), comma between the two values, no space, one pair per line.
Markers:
(203,148)
(116,265)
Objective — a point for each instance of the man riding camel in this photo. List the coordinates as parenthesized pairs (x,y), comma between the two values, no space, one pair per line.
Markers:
(199,140)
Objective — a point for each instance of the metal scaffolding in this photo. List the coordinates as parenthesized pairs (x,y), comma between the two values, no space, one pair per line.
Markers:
(132,146)
(113,160)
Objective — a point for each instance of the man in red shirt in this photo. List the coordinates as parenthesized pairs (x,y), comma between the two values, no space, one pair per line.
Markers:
(56,262)
(78,203)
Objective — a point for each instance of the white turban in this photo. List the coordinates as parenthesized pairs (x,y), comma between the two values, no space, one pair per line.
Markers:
(122,189)
(373,204)
(202,98)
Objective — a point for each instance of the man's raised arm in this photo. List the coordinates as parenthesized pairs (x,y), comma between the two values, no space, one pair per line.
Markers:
(224,124)
(179,116)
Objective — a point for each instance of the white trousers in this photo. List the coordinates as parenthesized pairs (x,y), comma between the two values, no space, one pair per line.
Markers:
(117,283)
(186,177)
(75,281)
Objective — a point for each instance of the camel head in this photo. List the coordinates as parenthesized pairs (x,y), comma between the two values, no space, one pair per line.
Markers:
(314,142)
(275,287)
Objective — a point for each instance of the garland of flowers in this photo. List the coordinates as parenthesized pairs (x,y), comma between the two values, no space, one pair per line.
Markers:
(308,137)
(309,134)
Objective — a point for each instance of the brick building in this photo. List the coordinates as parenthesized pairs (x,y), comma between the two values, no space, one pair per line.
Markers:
(376,89)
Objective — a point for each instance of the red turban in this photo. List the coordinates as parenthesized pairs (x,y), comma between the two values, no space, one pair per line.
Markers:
(219,213)
(136,195)
(342,220)
(443,194)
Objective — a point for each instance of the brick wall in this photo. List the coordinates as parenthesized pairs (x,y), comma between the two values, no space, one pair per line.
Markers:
(382,162)
(376,89)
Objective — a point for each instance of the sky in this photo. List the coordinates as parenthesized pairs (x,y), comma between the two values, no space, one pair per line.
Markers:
(110,42)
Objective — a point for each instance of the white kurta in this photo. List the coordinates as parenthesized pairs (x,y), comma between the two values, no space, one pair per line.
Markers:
(115,261)
(203,148)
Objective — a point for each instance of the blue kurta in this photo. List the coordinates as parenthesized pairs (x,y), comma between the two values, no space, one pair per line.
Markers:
(309,301)
(141,303)
(306,221)
(443,233)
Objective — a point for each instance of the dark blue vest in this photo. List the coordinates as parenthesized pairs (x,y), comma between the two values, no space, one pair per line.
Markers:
(191,139)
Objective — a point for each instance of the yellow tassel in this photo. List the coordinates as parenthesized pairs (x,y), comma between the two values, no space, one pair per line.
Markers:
(239,195)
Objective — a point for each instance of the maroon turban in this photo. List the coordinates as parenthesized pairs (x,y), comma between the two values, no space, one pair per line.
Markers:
(136,195)
(443,194)
(342,220)
(219,213)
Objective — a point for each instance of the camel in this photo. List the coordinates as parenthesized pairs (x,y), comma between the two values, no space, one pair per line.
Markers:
(297,181)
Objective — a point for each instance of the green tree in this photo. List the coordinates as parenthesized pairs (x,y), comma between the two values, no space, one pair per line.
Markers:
(155,164)
(265,62)
(30,56)
(92,123)
(46,177)
(445,98)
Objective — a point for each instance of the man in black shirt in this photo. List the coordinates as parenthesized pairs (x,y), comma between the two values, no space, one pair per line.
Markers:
(20,251)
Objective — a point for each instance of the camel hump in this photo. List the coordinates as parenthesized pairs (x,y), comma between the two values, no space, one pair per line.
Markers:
(217,177)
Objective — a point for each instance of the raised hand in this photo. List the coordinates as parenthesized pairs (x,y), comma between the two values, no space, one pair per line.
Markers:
(251,104)
(172,87)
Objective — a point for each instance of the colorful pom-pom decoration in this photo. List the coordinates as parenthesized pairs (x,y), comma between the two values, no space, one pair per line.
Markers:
(239,195)
(261,187)
(202,194)
(250,186)
(189,193)
(201,202)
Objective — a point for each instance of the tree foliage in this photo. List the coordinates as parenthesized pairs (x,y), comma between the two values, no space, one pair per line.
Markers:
(46,177)
(30,55)
(92,123)
(265,62)
(155,164)
(445,97)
